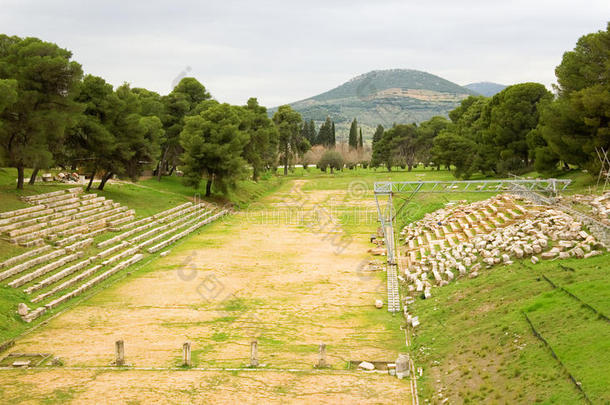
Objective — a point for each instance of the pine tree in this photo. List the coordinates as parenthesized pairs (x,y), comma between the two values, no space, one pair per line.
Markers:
(360,143)
(353,135)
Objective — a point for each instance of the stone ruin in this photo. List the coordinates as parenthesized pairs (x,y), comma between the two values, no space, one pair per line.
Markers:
(461,240)
(63,261)
(597,206)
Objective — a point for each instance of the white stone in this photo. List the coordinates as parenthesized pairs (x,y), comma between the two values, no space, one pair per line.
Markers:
(378,304)
(22,309)
(365,365)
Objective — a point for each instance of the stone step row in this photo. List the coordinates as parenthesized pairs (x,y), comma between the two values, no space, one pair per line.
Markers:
(21,211)
(61,201)
(141,225)
(58,276)
(38,312)
(130,225)
(26,255)
(129,252)
(42,230)
(40,197)
(42,213)
(28,215)
(172,210)
(173,227)
(73,269)
(185,232)
(47,268)
(69,283)
(31,263)
(180,213)
(94,281)
(163,227)
(46,216)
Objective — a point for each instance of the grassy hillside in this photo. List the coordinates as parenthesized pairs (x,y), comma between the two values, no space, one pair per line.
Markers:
(383,97)
(369,83)
(475,343)
(486,89)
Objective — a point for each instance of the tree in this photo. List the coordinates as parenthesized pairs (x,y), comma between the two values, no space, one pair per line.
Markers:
(213,146)
(426,132)
(91,141)
(8,93)
(330,159)
(451,149)
(403,144)
(262,136)
(513,115)
(577,122)
(353,135)
(325,135)
(36,119)
(378,134)
(382,151)
(291,142)
(333,138)
(180,103)
(376,158)
(360,142)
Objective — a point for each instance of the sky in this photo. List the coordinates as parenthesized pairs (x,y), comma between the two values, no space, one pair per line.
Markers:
(284,51)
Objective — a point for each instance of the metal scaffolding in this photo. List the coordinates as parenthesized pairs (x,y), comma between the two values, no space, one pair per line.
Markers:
(387,189)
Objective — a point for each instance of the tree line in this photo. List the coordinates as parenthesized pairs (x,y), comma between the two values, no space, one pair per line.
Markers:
(521,128)
(51,114)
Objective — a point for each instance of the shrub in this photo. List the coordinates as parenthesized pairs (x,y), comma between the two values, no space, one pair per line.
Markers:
(331,159)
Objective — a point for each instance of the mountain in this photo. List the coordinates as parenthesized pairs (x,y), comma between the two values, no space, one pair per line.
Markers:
(486,89)
(383,97)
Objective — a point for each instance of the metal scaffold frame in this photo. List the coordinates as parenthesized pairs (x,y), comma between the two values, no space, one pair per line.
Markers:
(411,188)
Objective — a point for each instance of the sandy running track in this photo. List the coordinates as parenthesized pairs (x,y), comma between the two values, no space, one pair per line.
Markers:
(285,283)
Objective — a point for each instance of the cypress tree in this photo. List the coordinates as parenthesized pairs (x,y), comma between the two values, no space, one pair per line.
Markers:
(360,143)
(353,135)
(333,140)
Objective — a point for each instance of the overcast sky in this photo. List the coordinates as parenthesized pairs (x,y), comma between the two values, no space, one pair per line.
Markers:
(283,51)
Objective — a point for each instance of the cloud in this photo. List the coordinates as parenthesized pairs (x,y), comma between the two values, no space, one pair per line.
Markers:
(282,51)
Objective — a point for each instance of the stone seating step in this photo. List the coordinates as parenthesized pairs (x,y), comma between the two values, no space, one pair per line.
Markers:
(172,210)
(31,263)
(23,256)
(21,211)
(58,276)
(182,234)
(19,218)
(44,270)
(93,282)
(37,197)
(67,284)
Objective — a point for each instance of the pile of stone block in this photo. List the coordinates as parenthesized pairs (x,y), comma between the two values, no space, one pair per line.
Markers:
(599,205)
(459,241)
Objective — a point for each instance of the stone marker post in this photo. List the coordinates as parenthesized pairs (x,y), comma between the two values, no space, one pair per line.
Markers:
(186,351)
(322,356)
(402,366)
(254,353)
(120,353)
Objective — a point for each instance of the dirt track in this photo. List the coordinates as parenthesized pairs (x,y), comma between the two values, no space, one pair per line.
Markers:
(288,285)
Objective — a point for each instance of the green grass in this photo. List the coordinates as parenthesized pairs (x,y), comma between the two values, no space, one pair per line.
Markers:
(474,332)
